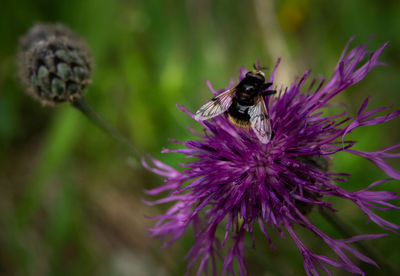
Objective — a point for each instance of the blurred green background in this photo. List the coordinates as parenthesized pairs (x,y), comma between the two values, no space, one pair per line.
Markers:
(71,200)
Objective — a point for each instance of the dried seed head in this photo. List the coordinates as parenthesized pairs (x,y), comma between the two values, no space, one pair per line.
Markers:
(54,64)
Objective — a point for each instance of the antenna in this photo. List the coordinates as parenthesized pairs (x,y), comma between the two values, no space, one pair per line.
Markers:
(259,67)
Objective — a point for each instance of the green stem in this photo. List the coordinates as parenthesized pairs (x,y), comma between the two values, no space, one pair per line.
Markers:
(346,231)
(83,106)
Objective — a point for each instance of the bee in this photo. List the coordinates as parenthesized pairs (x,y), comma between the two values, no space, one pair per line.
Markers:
(244,105)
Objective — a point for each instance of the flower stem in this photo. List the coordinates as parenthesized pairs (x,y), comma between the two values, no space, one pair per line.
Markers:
(346,231)
(82,105)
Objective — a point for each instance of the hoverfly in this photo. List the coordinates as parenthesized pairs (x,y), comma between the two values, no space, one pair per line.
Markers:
(244,105)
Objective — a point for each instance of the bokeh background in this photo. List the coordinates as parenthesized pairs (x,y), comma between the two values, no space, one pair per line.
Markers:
(71,199)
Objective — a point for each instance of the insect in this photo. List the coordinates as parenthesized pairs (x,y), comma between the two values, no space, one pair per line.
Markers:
(244,105)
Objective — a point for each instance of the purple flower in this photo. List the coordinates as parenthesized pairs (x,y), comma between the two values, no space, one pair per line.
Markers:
(234,182)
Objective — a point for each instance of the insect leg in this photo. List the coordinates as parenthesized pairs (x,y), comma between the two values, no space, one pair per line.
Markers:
(266,85)
(268,92)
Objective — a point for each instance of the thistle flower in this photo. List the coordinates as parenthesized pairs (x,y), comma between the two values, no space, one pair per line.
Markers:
(235,182)
(54,64)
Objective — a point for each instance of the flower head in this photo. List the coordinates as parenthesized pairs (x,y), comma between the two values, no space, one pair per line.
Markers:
(236,183)
(54,63)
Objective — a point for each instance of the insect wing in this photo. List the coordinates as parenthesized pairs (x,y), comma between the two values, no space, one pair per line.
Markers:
(215,106)
(259,121)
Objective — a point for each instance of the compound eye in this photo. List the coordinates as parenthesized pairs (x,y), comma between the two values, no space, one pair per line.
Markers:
(260,77)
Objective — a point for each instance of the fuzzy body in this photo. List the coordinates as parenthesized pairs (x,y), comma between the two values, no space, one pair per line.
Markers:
(246,94)
(238,114)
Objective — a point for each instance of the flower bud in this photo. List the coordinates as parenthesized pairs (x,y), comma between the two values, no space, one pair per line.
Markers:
(54,64)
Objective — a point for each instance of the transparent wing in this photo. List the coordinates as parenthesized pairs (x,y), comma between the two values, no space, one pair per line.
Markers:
(260,122)
(216,105)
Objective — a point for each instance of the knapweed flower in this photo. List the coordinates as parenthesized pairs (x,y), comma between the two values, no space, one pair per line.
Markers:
(234,182)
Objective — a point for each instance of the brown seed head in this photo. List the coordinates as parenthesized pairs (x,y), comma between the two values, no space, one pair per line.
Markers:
(54,64)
